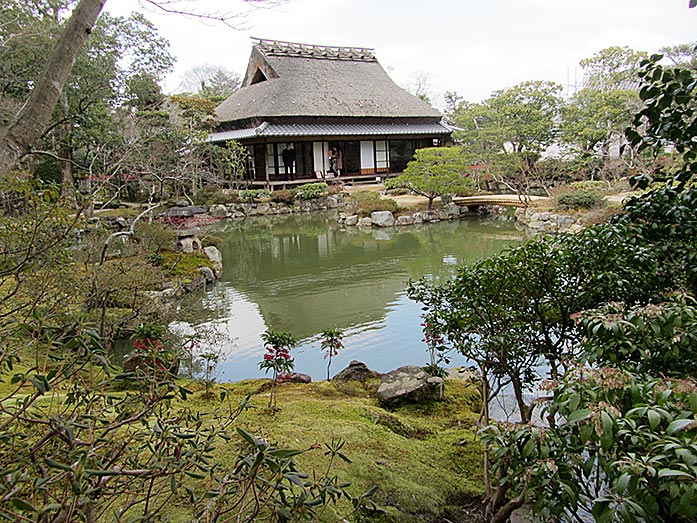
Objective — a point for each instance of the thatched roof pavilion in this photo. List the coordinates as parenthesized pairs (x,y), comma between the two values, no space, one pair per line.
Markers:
(323,103)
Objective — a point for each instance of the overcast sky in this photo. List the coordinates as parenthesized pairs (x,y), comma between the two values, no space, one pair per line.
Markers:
(472,47)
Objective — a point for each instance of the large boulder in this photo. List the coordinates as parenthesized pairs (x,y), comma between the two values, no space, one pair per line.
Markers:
(207,273)
(405,220)
(218,211)
(351,220)
(430,216)
(295,377)
(382,218)
(216,257)
(409,384)
(449,212)
(356,371)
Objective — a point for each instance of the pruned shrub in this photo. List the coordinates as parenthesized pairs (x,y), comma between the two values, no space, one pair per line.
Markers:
(378,204)
(363,196)
(154,237)
(583,199)
(367,202)
(309,191)
(212,195)
(253,195)
(283,196)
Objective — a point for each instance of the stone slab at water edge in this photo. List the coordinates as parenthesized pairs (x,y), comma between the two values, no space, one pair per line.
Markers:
(409,384)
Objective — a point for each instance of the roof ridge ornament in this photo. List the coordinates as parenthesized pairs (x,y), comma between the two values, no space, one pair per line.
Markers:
(326,52)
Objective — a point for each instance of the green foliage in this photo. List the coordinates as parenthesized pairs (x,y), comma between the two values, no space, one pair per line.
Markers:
(682,55)
(624,448)
(212,195)
(184,266)
(506,133)
(612,68)
(669,116)
(154,237)
(580,199)
(435,171)
(365,196)
(525,114)
(665,221)
(230,161)
(516,310)
(397,191)
(594,119)
(654,339)
(309,191)
(254,195)
(622,440)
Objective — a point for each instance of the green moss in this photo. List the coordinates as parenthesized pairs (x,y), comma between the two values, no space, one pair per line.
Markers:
(184,266)
(420,457)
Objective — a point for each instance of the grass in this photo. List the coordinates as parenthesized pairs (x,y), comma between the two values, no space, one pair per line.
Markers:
(421,457)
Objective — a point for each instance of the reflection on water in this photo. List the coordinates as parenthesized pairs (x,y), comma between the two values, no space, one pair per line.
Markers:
(304,274)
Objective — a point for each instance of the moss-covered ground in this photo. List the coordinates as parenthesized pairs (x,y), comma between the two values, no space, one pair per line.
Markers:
(424,459)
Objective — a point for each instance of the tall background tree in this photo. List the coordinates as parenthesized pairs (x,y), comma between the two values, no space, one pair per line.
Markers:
(210,81)
(508,131)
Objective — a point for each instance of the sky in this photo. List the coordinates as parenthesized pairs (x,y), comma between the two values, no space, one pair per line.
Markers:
(471,47)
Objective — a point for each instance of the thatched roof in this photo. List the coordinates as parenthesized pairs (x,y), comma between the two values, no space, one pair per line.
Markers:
(292,80)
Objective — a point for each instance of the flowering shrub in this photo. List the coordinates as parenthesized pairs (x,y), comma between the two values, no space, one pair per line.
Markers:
(277,358)
(331,345)
(149,337)
(149,345)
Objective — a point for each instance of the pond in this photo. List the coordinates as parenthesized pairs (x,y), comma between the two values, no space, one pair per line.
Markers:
(305,273)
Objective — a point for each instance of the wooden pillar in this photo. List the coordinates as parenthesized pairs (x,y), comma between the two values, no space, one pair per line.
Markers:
(266,165)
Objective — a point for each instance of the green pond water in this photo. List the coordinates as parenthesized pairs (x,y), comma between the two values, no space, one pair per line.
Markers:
(306,273)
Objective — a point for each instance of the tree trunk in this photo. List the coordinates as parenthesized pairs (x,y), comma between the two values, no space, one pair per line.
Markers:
(523,407)
(34,116)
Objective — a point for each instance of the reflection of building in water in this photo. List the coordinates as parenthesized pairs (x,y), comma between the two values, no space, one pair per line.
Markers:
(306,275)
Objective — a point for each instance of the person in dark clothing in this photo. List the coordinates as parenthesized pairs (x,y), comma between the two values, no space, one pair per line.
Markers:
(289,161)
(332,161)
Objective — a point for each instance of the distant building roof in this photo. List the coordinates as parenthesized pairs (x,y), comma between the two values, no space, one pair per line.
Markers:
(286,79)
(333,129)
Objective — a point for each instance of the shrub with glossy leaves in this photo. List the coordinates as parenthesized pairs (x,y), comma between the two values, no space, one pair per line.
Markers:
(623,448)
